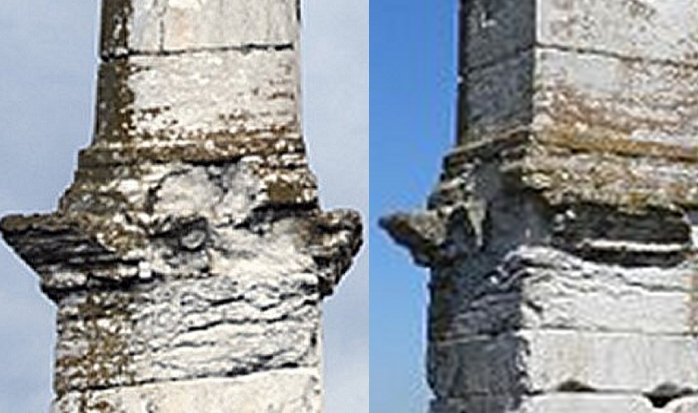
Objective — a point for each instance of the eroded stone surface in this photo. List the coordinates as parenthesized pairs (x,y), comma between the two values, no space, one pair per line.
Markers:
(190,256)
(561,235)
(199,96)
(148,27)
(544,288)
(639,29)
(535,361)
(225,325)
(283,391)
(583,92)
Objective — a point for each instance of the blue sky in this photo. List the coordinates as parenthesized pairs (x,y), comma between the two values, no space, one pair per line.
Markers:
(412,98)
(47,80)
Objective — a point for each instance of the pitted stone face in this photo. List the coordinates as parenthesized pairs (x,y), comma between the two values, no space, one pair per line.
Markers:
(190,256)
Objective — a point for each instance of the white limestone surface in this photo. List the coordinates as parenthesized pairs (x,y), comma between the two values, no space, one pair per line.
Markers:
(582,93)
(638,29)
(189,96)
(634,98)
(642,29)
(148,27)
(283,391)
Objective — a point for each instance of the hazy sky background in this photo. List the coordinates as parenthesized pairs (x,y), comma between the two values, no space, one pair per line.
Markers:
(47,79)
(413,83)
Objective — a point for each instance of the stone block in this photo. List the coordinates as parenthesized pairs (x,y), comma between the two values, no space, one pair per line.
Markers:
(543,288)
(533,361)
(637,99)
(493,31)
(641,29)
(581,93)
(497,97)
(198,96)
(549,403)
(282,391)
(148,27)
(221,326)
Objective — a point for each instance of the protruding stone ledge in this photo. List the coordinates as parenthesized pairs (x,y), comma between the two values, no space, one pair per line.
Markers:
(78,252)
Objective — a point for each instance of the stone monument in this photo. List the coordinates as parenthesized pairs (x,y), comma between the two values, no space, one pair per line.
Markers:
(190,256)
(561,237)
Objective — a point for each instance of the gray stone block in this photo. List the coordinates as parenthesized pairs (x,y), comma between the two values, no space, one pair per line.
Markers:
(544,288)
(534,361)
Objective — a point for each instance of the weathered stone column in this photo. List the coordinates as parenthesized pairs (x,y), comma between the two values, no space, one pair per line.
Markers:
(190,257)
(561,237)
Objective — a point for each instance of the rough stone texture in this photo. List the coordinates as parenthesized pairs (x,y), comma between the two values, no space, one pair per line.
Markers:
(652,30)
(628,67)
(544,288)
(171,26)
(560,402)
(561,237)
(639,99)
(199,95)
(190,256)
(540,361)
(283,391)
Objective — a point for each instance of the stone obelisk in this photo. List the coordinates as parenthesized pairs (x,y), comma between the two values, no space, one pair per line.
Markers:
(190,256)
(562,235)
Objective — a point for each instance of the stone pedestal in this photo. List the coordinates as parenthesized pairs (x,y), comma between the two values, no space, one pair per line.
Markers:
(561,236)
(190,256)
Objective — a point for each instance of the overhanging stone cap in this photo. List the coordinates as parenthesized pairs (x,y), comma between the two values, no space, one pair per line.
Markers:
(588,193)
(82,251)
(590,166)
